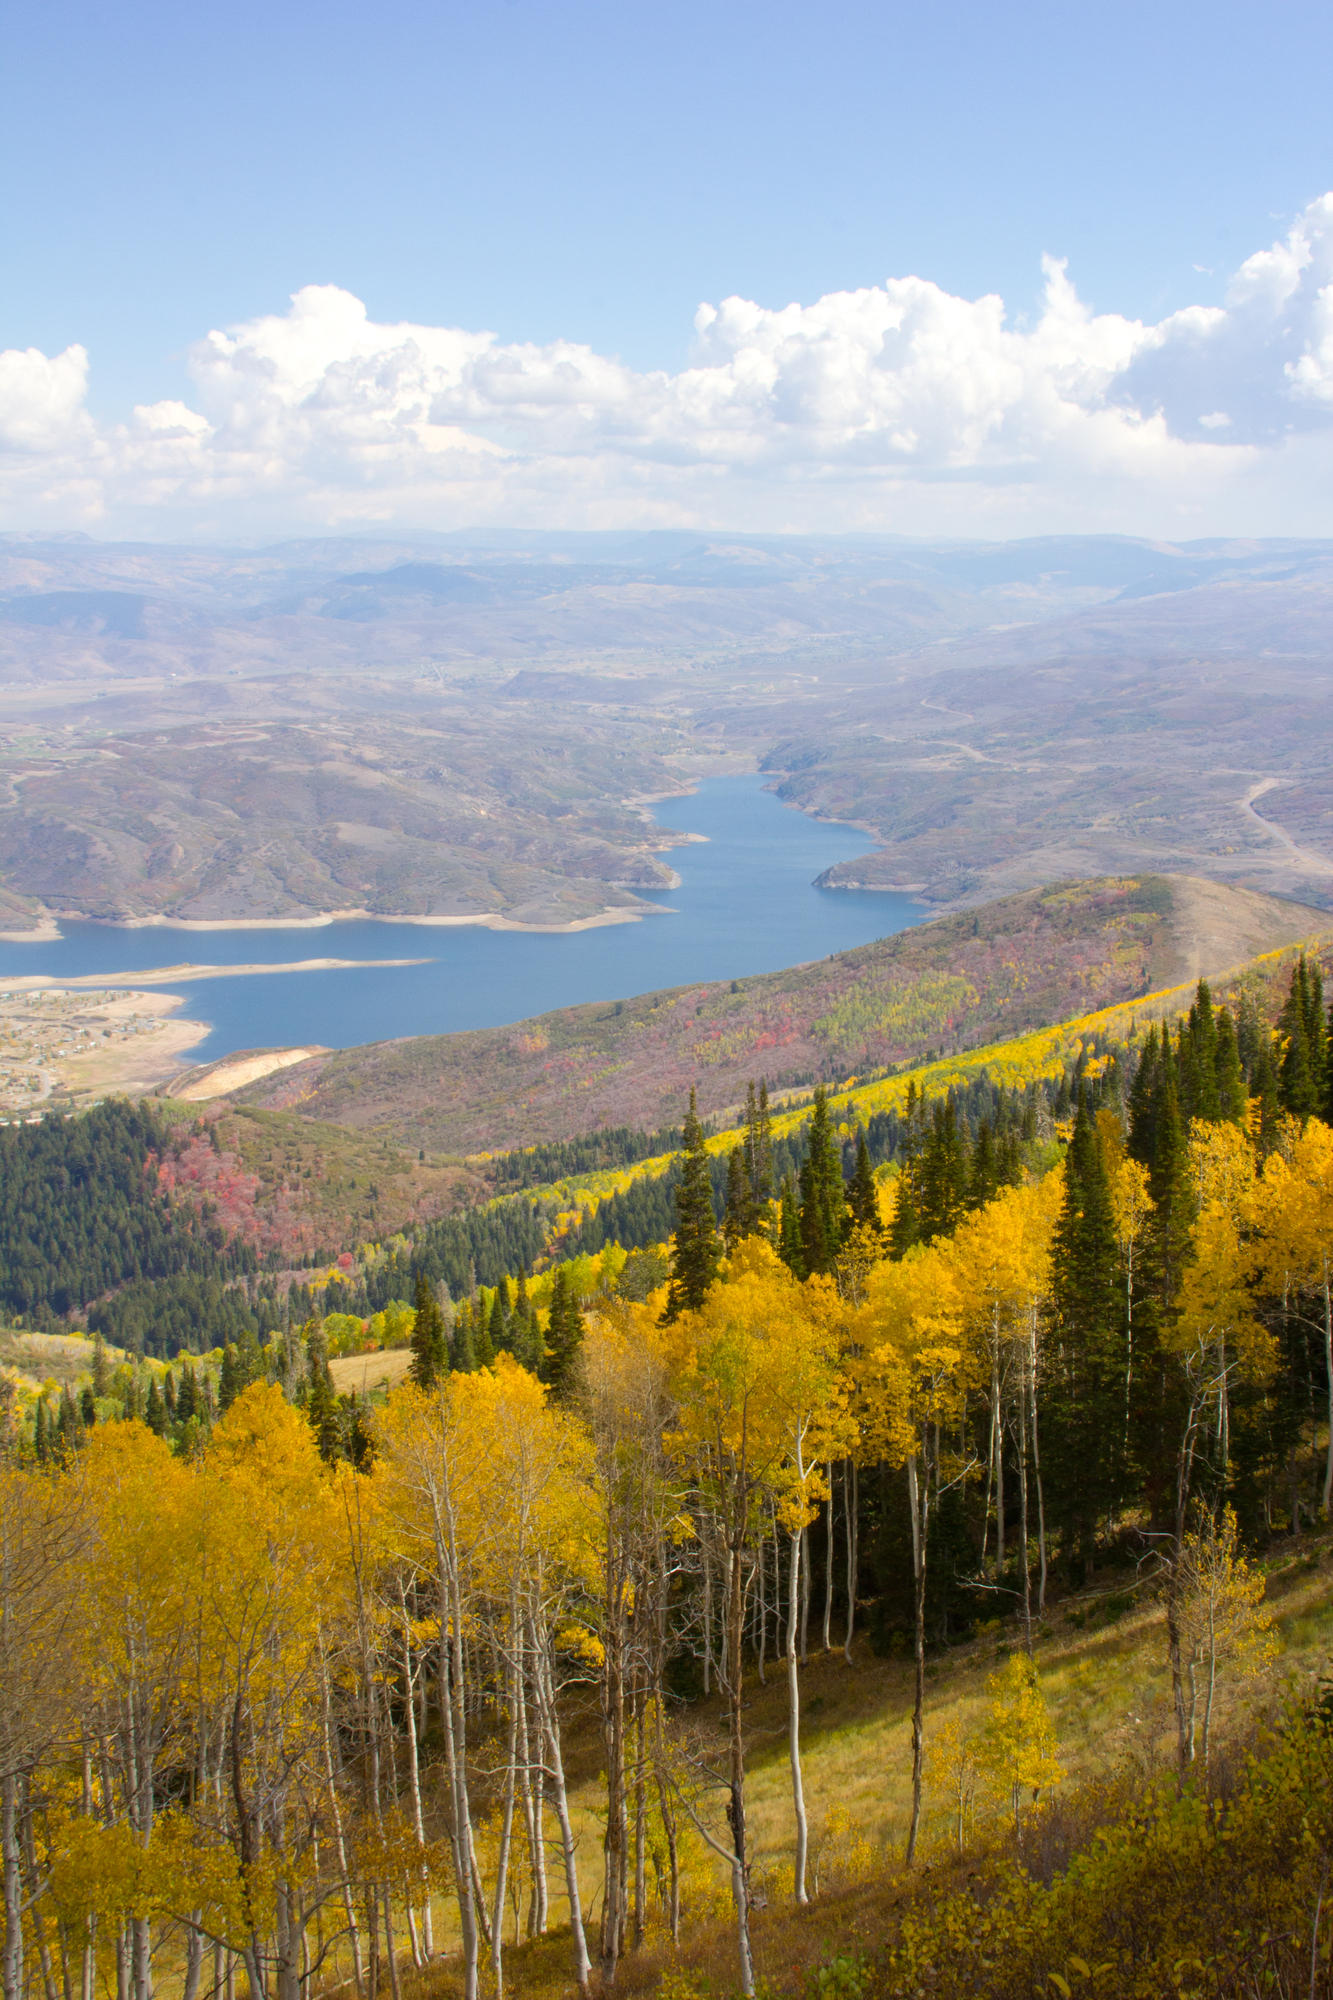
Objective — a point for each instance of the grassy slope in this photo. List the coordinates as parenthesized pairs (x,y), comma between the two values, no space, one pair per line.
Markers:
(960,981)
(1108,1687)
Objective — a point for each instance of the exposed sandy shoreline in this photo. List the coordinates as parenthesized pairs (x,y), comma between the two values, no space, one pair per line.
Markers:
(181,975)
(49,931)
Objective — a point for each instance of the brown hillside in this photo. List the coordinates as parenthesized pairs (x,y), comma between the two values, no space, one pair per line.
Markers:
(976,976)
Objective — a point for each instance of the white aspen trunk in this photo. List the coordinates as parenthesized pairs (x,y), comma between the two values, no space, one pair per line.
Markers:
(640,1822)
(999,1495)
(805,1593)
(454,1712)
(990,1449)
(763,1606)
(414,1786)
(543,1688)
(506,1828)
(794,1726)
(1022,1441)
(1328,1364)
(13,1877)
(389,1951)
(851,1495)
(918,1491)
(1036,1467)
(527,1802)
(828,1560)
(708,1623)
(349,1905)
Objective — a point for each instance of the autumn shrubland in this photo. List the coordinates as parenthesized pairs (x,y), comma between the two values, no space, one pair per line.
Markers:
(912,1583)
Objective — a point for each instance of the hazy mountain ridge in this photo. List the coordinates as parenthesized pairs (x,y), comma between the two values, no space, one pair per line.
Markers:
(994,716)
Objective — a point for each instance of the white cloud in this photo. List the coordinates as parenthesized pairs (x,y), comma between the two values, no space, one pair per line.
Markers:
(899,407)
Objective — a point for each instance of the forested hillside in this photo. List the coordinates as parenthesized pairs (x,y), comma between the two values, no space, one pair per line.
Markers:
(418,1676)
(958,982)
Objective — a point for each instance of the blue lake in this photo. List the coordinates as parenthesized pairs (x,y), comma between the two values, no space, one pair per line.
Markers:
(746,904)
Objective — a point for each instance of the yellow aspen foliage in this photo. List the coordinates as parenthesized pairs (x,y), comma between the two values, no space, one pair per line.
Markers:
(1224,1630)
(1017,1749)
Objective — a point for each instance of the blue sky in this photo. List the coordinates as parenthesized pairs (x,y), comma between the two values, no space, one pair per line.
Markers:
(591,173)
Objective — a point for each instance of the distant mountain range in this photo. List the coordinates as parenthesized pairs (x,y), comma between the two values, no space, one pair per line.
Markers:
(453,725)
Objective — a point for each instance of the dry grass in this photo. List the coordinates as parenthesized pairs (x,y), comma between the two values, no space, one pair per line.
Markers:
(362,1374)
(1108,1687)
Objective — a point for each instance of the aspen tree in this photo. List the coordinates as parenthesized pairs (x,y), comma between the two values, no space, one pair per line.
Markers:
(1292,1213)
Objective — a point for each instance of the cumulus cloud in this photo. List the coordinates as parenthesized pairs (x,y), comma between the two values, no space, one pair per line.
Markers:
(897,407)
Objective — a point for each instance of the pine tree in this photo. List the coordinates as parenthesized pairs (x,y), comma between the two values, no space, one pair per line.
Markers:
(40,1442)
(323,1416)
(758,1154)
(941,1187)
(789,1230)
(983,1182)
(187,1396)
(499,1326)
(527,1348)
(1230,1080)
(862,1194)
(1202,1100)
(1301,1026)
(1084,1419)
(1169,1190)
(430,1351)
(155,1412)
(169,1395)
(228,1386)
(905,1229)
(824,1215)
(463,1354)
(1143,1096)
(694,1247)
(101,1366)
(88,1408)
(738,1215)
(564,1335)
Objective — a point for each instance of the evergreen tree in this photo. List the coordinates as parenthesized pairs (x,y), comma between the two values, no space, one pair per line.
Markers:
(1201,1099)
(943,1174)
(40,1440)
(69,1426)
(758,1155)
(905,1229)
(862,1194)
(789,1230)
(1301,1028)
(155,1411)
(228,1386)
(1230,1079)
(169,1395)
(430,1351)
(983,1183)
(738,1215)
(187,1396)
(1084,1418)
(88,1408)
(694,1247)
(1141,1141)
(564,1335)
(463,1355)
(1172,1200)
(824,1214)
(101,1366)
(527,1347)
(498,1326)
